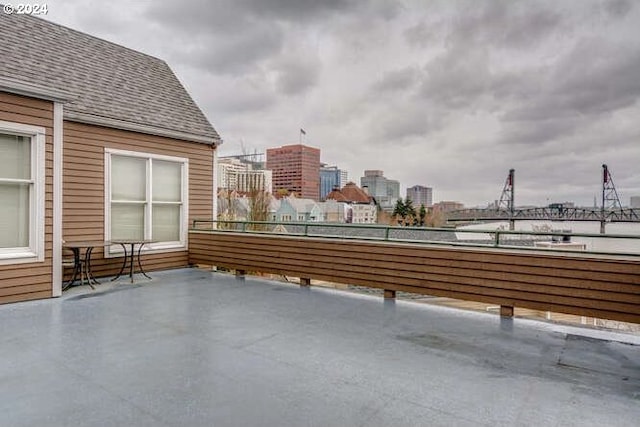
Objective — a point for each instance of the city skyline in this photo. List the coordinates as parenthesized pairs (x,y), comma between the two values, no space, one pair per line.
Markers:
(438,93)
(405,187)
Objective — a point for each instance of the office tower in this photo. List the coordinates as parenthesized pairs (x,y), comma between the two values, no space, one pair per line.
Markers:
(385,191)
(295,168)
(344,178)
(330,178)
(420,195)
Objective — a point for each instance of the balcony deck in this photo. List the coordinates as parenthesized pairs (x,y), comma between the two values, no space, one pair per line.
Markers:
(196,348)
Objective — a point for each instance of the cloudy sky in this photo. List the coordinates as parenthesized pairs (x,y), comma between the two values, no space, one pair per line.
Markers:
(448,94)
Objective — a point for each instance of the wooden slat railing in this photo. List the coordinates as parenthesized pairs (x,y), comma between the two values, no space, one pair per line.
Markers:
(586,285)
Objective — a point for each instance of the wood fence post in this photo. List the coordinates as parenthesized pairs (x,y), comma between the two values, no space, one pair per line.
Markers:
(506,310)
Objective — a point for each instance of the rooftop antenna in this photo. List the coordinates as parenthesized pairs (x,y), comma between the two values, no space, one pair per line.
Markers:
(507,199)
(610,199)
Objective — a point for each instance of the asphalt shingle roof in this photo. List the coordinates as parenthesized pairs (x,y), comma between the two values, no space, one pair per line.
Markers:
(104,80)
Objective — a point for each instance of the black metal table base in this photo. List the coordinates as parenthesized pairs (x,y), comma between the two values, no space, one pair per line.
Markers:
(129,259)
(81,267)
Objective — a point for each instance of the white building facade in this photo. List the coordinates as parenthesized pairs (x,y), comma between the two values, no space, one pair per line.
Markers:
(234,174)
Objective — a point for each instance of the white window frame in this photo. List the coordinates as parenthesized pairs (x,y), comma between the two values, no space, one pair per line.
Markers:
(35,251)
(116,250)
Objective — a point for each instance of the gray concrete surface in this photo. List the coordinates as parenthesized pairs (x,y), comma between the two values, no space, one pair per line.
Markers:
(195,348)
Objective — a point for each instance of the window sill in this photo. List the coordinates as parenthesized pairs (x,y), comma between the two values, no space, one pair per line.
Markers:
(20,257)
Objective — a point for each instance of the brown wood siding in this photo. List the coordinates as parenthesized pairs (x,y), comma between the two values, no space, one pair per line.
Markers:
(582,285)
(83,187)
(21,282)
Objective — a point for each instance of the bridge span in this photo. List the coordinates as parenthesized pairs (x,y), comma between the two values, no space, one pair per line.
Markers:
(546,213)
(610,210)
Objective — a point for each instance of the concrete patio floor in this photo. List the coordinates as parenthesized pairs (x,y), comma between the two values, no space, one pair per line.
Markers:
(196,348)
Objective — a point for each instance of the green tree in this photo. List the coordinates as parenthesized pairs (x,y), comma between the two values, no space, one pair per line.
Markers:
(399,211)
(422,215)
(409,212)
(404,212)
(399,207)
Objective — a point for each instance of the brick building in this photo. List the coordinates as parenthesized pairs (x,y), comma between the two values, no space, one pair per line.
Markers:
(296,168)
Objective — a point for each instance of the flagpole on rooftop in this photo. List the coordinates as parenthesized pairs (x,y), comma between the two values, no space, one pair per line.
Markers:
(302,132)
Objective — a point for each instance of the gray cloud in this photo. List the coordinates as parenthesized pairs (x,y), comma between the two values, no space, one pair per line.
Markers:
(233,36)
(423,34)
(618,8)
(403,123)
(296,75)
(538,132)
(198,16)
(599,77)
(241,52)
(457,79)
(228,16)
(397,80)
(509,24)
(296,10)
(233,96)
(594,80)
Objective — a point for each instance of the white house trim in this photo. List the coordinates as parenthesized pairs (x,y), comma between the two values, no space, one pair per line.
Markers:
(58,117)
(36,249)
(139,128)
(214,214)
(33,91)
(159,247)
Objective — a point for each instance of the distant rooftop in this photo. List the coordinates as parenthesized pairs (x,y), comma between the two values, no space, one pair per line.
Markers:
(350,193)
(104,82)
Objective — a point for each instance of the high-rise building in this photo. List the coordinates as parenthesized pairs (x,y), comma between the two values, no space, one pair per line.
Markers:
(420,195)
(238,175)
(331,177)
(251,180)
(295,168)
(228,171)
(385,191)
(344,178)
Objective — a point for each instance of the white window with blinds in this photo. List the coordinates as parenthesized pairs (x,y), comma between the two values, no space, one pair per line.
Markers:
(146,198)
(22,188)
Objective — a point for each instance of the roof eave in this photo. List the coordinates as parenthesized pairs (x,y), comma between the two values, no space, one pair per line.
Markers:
(140,128)
(18,87)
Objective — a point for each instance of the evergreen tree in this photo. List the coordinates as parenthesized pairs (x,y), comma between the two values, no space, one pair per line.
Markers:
(400,210)
(422,215)
(409,210)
